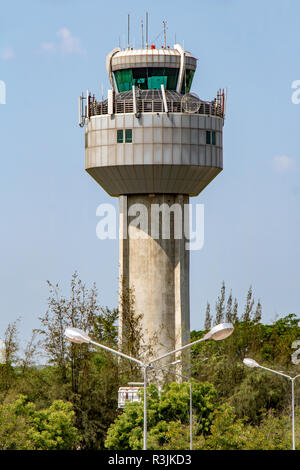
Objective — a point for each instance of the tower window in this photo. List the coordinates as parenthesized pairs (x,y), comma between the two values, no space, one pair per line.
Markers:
(187,81)
(120,138)
(128,136)
(210,137)
(213,137)
(148,78)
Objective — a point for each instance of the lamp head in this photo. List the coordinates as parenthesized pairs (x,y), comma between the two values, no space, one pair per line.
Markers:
(77,336)
(219,332)
(250,362)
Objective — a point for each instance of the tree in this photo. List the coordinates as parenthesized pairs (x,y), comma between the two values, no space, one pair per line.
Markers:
(249,306)
(23,427)
(208,318)
(11,347)
(235,316)
(132,333)
(220,306)
(258,313)
(228,432)
(85,376)
(229,313)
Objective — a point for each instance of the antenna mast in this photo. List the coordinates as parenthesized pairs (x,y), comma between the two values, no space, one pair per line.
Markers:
(142,25)
(128,31)
(165,33)
(146,30)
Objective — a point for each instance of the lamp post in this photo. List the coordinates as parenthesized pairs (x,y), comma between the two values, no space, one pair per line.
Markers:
(217,333)
(252,363)
(191,395)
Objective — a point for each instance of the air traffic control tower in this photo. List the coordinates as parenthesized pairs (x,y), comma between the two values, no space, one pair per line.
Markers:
(153,144)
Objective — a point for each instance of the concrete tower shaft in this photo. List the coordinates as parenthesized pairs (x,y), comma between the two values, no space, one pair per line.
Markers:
(157,266)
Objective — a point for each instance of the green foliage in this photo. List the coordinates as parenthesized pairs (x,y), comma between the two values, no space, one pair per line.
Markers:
(231,433)
(23,427)
(250,392)
(227,432)
(72,402)
(165,411)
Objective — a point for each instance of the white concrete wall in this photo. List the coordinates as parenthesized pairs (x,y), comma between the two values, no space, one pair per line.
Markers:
(167,140)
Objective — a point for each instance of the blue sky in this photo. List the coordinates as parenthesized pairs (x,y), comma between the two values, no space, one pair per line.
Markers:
(51,51)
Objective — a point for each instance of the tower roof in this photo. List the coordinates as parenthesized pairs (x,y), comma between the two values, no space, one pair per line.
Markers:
(163,57)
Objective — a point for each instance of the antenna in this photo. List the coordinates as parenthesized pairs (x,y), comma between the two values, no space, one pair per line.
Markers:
(142,25)
(146,30)
(128,31)
(165,33)
(191,103)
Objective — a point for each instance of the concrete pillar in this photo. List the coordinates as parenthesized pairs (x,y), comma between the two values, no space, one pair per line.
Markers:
(154,262)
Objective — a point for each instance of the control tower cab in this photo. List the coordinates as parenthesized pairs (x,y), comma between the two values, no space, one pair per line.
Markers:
(154,142)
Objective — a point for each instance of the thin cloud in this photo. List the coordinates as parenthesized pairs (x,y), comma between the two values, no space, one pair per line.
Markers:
(48,47)
(66,44)
(7,53)
(283,163)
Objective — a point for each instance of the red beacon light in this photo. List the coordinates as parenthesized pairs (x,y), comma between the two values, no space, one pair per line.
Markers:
(153,46)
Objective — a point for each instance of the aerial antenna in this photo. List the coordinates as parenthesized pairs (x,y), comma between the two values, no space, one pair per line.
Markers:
(165,33)
(146,30)
(128,31)
(142,25)
(191,103)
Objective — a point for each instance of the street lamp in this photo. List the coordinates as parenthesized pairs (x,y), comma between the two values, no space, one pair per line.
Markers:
(251,363)
(191,395)
(217,333)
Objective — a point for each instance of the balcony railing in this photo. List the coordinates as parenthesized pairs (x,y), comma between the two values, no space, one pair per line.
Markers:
(145,104)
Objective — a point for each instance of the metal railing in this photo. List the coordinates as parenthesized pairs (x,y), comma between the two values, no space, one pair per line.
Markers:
(151,106)
(147,105)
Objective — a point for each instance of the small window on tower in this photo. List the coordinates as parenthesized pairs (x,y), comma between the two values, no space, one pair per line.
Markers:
(128,136)
(208,137)
(120,138)
(213,137)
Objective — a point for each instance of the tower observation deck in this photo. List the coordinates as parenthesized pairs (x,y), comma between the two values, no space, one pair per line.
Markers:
(152,143)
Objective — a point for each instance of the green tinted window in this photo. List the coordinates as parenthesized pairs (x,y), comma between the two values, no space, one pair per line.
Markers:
(147,78)
(128,136)
(187,81)
(154,83)
(208,137)
(120,138)
(213,137)
(124,80)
